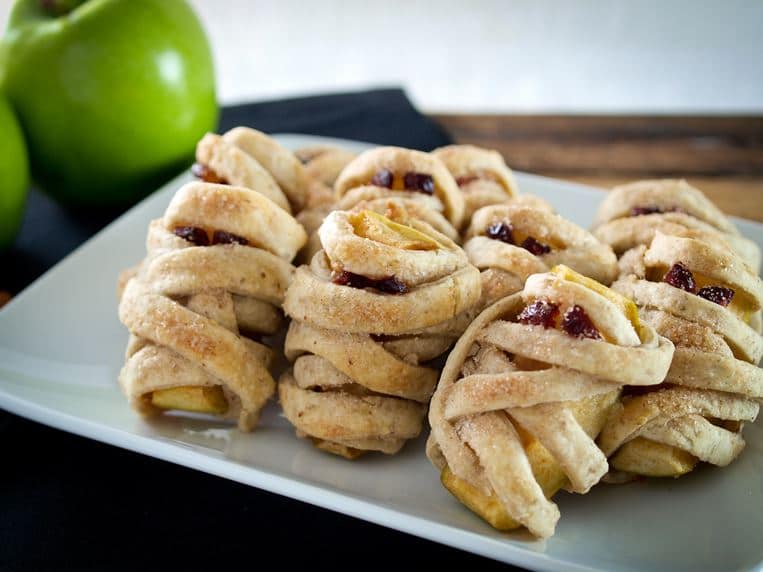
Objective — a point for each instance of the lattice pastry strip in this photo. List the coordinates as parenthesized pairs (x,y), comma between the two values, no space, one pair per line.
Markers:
(382,298)
(217,265)
(682,418)
(519,401)
(220,161)
(509,242)
(281,163)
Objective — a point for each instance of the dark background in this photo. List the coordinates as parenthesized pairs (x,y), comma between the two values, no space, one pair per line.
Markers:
(69,503)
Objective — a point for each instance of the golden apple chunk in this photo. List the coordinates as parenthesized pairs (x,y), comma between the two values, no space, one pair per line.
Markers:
(651,459)
(374,226)
(199,399)
(591,413)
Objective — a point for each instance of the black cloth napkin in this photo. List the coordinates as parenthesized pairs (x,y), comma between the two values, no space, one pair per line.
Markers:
(69,503)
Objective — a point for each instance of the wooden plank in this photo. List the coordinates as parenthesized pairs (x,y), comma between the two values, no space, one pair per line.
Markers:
(618,145)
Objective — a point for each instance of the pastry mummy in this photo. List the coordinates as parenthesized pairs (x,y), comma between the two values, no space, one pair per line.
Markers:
(703,297)
(322,166)
(509,242)
(248,158)
(405,174)
(380,299)
(632,213)
(213,280)
(481,174)
(526,390)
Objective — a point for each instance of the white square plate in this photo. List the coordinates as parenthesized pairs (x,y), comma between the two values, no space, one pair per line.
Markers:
(61,348)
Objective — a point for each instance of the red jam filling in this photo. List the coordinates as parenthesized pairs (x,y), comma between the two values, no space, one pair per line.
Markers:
(718,294)
(206,174)
(681,277)
(653,209)
(577,323)
(193,234)
(503,231)
(539,313)
(535,247)
(200,237)
(383,179)
(387,285)
(412,181)
(465,180)
(223,237)
(419,182)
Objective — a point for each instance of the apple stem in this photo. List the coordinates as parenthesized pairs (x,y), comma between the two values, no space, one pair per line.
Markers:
(60,7)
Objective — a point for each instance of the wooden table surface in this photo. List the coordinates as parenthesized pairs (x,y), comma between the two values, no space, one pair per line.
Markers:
(722,156)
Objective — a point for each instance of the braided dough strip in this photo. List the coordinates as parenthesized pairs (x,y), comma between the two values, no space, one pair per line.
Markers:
(697,436)
(643,413)
(487,253)
(470,160)
(400,161)
(519,389)
(381,200)
(324,163)
(622,234)
(624,365)
(560,433)
(371,193)
(151,368)
(239,211)
(692,368)
(221,353)
(363,360)
(742,338)
(238,168)
(665,194)
(497,445)
(481,174)
(237,269)
(712,261)
(359,412)
(361,311)
(356,421)
(279,162)
(570,244)
(255,316)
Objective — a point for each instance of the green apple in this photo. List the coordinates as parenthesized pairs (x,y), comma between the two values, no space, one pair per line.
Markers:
(14,174)
(112,94)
